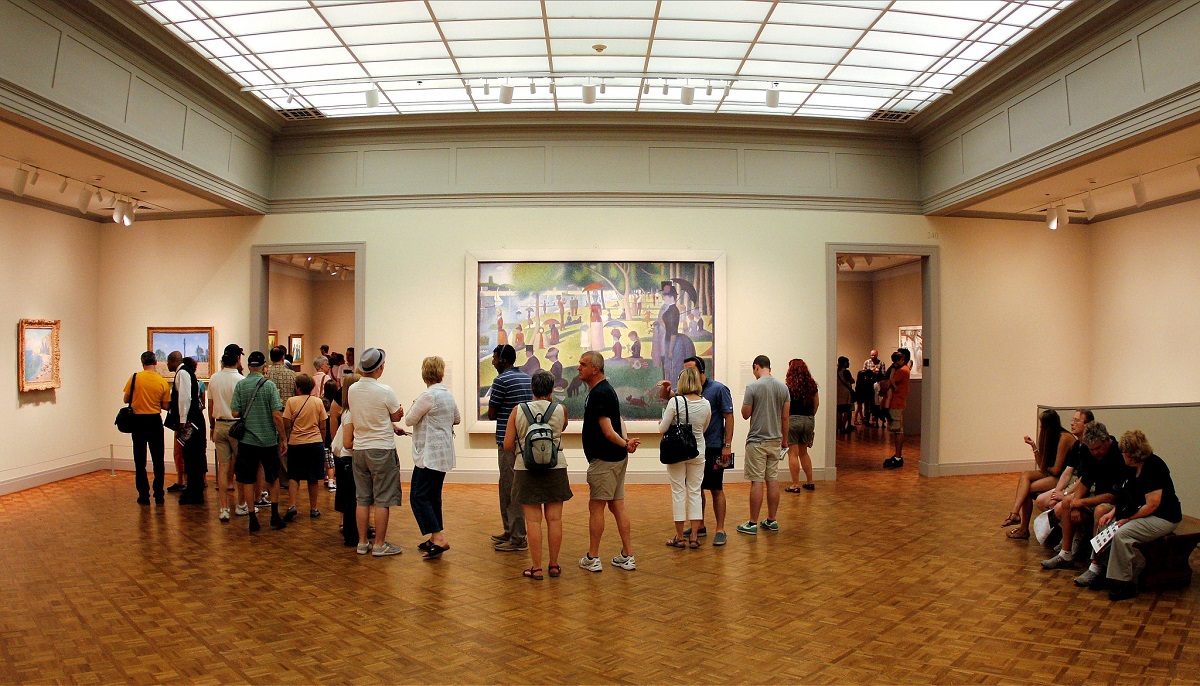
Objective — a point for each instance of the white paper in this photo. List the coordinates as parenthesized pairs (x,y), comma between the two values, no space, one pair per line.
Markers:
(1102,539)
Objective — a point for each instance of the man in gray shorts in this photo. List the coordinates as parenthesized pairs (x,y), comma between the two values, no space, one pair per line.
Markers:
(607,453)
(371,435)
(766,405)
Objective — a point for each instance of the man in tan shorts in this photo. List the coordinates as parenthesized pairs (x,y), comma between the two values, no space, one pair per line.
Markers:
(767,404)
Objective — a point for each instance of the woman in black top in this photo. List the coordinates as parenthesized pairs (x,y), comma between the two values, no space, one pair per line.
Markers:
(1146,508)
(801,423)
(1050,457)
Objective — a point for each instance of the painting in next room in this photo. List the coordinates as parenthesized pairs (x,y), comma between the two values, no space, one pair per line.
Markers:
(646,318)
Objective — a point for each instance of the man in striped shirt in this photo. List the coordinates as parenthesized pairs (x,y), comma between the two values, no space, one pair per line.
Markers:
(511,387)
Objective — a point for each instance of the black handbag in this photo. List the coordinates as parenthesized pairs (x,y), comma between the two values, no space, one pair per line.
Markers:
(679,442)
(237,430)
(125,416)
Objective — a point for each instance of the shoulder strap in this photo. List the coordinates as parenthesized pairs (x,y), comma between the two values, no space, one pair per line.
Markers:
(546,416)
(528,412)
(255,394)
(289,431)
(687,416)
(132,385)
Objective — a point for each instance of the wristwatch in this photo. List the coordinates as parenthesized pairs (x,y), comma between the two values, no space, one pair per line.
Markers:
(728,445)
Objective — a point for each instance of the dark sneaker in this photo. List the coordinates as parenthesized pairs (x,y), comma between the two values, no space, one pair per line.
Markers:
(175,488)
(687,533)
(511,546)
(893,462)
(499,538)
(769,525)
(1086,578)
(143,500)
(290,514)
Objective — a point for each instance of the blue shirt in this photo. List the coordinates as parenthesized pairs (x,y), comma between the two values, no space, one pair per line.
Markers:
(510,388)
(721,400)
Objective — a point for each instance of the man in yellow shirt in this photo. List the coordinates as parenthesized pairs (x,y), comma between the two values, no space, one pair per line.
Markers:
(149,394)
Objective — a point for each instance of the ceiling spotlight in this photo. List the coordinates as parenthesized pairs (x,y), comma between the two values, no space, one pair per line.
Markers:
(589,94)
(33,178)
(19,179)
(603,88)
(487,87)
(291,98)
(552,91)
(62,187)
(1064,217)
(1051,218)
(708,91)
(130,213)
(506,93)
(1139,192)
(687,95)
(309,259)
(773,95)
(1089,206)
(728,87)
(469,93)
(532,87)
(850,261)
(85,199)
(373,98)
(120,207)
(646,88)
(666,89)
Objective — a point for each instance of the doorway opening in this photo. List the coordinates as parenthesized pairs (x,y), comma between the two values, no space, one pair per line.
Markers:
(884,301)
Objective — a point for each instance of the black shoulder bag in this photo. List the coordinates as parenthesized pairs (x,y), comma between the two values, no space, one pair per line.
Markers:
(125,415)
(237,431)
(679,442)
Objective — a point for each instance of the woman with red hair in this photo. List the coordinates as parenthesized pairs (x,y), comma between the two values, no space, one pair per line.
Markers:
(801,423)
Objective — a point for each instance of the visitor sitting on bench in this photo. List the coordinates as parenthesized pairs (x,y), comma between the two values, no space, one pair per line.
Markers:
(1099,471)
(1050,458)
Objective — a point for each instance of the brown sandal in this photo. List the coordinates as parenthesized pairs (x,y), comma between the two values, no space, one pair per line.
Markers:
(1013,518)
(555,571)
(534,573)
(1018,534)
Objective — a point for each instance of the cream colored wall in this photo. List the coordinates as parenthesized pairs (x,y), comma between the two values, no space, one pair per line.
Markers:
(51,273)
(1145,314)
(995,275)
(896,299)
(332,315)
(1015,333)
(290,310)
(855,319)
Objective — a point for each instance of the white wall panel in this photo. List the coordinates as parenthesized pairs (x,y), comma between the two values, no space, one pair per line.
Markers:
(884,176)
(591,167)
(1039,119)
(986,145)
(28,49)
(711,167)
(158,116)
(316,175)
(207,142)
(406,171)
(1105,87)
(94,84)
(787,169)
(1170,53)
(501,166)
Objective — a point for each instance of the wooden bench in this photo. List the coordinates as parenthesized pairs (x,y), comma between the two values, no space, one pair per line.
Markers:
(1167,564)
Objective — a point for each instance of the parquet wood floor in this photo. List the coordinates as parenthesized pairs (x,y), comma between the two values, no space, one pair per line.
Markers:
(878,578)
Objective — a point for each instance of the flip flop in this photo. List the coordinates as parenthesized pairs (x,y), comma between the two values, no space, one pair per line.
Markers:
(1017,534)
(792,489)
(435,551)
(534,573)
(1013,518)
(676,543)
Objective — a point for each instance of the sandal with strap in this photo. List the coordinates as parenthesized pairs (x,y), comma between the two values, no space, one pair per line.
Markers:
(792,489)
(534,573)
(693,544)
(676,543)
(555,571)
(1018,534)
(1013,518)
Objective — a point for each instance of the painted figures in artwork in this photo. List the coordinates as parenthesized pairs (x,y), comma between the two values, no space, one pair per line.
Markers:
(645,318)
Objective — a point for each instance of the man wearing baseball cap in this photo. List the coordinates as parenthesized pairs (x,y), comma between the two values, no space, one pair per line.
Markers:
(257,399)
(371,435)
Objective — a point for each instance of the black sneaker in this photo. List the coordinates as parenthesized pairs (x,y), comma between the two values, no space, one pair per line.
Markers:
(159,500)
(175,488)
(143,500)
(1122,590)
(893,462)
(290,514)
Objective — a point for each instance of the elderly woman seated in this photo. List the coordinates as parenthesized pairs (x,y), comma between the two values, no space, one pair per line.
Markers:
(1146,508)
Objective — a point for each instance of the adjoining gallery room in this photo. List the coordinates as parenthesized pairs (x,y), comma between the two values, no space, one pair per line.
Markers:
(653,225)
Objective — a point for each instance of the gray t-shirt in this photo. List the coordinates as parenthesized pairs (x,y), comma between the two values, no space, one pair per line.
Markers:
(766,397)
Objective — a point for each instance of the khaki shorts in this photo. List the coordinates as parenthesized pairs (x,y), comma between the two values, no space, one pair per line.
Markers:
(762,461)
(896,421)
(606,480)
(800,430)
(226,447)
(376,478)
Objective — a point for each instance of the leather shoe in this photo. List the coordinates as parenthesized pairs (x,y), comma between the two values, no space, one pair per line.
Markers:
(1100,583)
(1122,590)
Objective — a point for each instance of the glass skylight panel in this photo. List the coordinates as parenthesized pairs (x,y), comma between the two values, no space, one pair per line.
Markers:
(492,28)
(268,22)
(336,99)
(753,12)
(197,30)
(683,65)
(784,70)
(413,68)
(219,47)
(626,47)
(979,10)
(256,78)
(306,58)
(894,60)
(600,8)
(609,64)
(221,8)
(238,63)
(978,51)
(935,81)
(789,34)
(291,40)
(375,13)
(704,30)
(505,48)
(596,28)
(484,9)
(874,75)
(797,53)
(1025,15)
(901,42)
(852,101)
(925,25)
(320,73)
(503,65)
(823,15)
(390,33)
(688,48)
(999,33)
(174,11)
(399,51)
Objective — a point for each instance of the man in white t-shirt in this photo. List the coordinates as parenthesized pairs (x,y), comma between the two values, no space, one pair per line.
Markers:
(220,418)
(370,433)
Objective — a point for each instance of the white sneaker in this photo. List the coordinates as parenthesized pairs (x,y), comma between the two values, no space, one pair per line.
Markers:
(224,516)
(625,562)
(242,510)
(386,549)
(592,564)
(363,548)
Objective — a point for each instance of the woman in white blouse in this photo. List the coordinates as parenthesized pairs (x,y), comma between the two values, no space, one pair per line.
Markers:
(433,416)
(688,407)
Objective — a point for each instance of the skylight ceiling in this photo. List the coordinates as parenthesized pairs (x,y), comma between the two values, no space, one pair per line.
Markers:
(852,59)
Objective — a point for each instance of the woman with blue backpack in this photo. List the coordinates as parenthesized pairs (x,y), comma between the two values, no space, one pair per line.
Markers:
(535,432)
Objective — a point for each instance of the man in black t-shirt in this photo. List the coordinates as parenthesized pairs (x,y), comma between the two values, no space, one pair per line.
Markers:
(607,453)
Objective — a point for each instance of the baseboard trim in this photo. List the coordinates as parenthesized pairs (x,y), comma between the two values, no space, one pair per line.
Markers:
(973,468)
(49,476)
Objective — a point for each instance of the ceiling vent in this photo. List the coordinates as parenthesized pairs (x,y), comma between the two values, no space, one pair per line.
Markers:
(893,116)
(302,113)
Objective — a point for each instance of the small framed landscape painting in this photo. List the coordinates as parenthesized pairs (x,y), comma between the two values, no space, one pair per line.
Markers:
(296,347)
(272,338)
(39,354)
(193,341)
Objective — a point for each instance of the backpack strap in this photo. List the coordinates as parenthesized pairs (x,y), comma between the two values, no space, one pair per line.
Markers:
(545,417)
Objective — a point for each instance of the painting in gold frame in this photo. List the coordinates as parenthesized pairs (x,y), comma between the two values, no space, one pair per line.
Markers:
(39,354)
(193,341)
(296,348)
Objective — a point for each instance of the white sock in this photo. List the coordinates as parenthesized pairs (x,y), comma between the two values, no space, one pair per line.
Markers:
(1095,568)
(1065,554)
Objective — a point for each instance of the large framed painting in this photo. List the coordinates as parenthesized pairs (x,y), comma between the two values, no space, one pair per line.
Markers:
(644,312)
(910,338)
(193,341)
(39,354)
(296,348)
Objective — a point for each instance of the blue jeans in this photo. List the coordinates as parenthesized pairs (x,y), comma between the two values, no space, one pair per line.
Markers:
(425,497)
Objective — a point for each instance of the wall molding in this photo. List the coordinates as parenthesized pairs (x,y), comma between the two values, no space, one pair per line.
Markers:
(49,476)
(973,468)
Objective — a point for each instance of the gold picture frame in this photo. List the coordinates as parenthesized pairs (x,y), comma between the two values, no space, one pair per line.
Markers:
(296,348)
(193,341)
(39,354)
(272,338)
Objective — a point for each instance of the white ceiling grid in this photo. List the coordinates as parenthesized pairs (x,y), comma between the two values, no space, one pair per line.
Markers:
(836,58)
